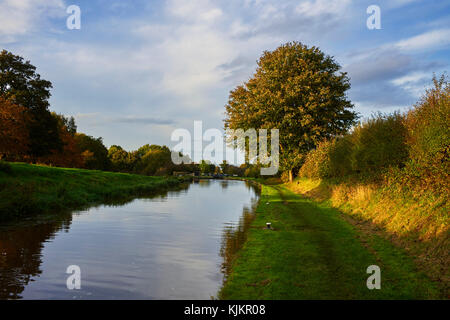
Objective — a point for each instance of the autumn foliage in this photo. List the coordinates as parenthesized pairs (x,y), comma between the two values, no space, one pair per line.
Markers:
(14,137)
(428,138)
(70,156)
(30,132)
(411,149)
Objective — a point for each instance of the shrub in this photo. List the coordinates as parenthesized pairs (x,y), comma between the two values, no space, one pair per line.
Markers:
(373,146)
(379,143)
(163,171)
(317,161)
(428,134)
(411,149)
(340,157)
(252,171)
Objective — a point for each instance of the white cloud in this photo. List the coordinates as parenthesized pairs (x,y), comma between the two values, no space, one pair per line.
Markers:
(180,54)
(415,83)
(413,77)
(428,40)
(194,10)
(316,8)
(20,17)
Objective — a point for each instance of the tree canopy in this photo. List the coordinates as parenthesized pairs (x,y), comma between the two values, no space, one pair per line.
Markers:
(298,90)
(20,84)
(119,158)
(93,151)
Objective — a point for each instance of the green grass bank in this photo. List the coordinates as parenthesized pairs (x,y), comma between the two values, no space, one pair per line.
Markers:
(29,190)
(417,222)
(314,253)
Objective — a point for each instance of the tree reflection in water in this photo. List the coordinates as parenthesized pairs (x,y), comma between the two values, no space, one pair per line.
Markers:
(235,235)
(21,245)
(20,254)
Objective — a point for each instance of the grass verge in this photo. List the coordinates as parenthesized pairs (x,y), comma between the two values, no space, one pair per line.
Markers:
(27,190)
(415,222)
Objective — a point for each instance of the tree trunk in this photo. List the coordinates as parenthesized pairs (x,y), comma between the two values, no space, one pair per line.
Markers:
(290,176)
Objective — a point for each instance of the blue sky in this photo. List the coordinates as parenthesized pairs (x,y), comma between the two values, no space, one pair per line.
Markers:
(137,70)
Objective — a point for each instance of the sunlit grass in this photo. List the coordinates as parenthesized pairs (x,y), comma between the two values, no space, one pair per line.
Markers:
(313,253)
(417,223)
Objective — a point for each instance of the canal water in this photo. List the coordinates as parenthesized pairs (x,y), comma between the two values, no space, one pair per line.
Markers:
(171,246)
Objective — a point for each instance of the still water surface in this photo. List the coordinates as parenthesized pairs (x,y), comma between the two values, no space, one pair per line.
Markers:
(171,246)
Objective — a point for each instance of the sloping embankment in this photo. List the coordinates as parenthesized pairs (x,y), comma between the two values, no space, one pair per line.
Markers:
(417,223)
(32,189)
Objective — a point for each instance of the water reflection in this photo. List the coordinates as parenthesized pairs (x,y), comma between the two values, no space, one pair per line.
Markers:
(235,235)
(159,247)
(20,258)
(224,184)
(204,183)
(21,245)
(162,195)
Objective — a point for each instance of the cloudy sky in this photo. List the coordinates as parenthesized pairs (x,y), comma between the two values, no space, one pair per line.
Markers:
(137,70)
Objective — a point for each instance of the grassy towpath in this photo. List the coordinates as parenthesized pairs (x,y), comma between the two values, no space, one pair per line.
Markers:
(313,253)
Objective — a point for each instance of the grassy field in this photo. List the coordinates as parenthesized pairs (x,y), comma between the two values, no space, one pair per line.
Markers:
(313,253)
(32,189)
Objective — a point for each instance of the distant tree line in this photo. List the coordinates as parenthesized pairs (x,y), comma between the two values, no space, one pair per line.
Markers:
(30,132)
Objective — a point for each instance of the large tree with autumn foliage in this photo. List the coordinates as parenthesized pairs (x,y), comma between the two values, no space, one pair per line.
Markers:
(23,86)
(298,90)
